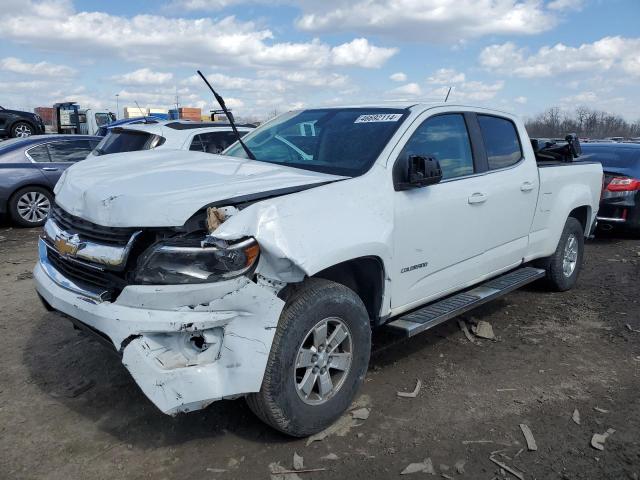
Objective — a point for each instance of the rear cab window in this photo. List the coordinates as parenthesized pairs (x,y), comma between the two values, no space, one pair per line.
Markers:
(127,140)
(214,142)
(501,141)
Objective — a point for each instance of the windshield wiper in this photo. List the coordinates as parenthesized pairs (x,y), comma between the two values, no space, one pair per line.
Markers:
(229,117)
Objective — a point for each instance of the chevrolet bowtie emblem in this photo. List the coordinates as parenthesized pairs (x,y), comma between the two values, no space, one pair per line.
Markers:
(67,245)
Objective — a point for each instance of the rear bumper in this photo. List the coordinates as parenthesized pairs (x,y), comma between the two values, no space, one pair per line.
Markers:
(154,327)
(621,209)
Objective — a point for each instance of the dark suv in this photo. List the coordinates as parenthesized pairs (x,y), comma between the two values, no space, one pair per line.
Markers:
(17,124)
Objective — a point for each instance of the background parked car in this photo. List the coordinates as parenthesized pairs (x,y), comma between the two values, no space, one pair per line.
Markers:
(620,203)
(104,129)
(17,124)
(206,137)
(30,168)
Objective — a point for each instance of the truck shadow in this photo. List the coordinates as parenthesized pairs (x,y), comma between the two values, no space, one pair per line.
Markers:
(83,375)
(80,373)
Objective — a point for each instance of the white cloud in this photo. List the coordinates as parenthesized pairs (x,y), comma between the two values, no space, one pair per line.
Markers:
(359,52)
(410,89)
(144,76)
(446,76)
(606,54)
(156,40)
(520,100)
(15,65)
(432,20)
(565,5)
(398,77)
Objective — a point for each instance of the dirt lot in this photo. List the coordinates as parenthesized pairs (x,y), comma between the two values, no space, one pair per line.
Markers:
(68,409)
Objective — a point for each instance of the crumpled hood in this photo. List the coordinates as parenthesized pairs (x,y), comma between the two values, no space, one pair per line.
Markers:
(164,188)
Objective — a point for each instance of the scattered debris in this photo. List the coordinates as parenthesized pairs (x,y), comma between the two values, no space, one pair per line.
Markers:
(601,410)
(278,472)
(298,461)
(234,462)
(576,417)
(483,330)
(216,470)
(467,442)
(425,467)
(361,413)
(340,428)
(413,394)
(459,466)
(598,439)
(519,452)
(465,330)
(631,329)
(330,456)
(444,475)
(507,468)
(531,442)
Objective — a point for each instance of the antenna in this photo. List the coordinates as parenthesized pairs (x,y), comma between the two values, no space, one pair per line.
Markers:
(447,97)
(144,115)
(229,117)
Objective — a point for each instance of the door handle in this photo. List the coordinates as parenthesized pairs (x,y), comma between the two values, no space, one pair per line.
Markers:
(477,197)
(526,187)
(50,169)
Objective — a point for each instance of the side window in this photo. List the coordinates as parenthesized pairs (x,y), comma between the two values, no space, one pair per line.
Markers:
(39,153)
(216,142)
(196,144)
(501,141)
(69,151)
(444,137)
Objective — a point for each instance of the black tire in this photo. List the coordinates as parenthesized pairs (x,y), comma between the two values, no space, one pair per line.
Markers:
(278,403)
(22,129)
(556,277)
(16,209)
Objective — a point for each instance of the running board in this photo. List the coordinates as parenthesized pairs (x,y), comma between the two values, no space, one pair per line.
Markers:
(417,321)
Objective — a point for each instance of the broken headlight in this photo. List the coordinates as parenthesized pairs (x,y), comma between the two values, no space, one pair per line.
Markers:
(190,260)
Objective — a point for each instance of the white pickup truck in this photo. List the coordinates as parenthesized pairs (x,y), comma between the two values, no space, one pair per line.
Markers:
(217,277)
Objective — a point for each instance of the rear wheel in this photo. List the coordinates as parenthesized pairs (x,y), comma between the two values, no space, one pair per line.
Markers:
(318,359)
(563,267)
(30,206)
(22,130)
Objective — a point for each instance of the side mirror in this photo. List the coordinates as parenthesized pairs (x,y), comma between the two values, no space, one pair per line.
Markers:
(416,171)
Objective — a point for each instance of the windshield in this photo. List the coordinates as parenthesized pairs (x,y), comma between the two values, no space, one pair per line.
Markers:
(338,141)
(118,141)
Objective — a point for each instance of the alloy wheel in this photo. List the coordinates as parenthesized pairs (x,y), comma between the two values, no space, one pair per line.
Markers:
(33,207)
(323,361)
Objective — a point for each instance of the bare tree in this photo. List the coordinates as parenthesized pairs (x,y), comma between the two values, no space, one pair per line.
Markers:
(586,122)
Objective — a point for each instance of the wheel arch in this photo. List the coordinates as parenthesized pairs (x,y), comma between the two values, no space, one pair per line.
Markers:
(365,276)
(583,215)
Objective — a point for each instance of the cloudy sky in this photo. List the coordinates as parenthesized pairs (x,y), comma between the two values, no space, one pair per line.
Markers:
(273,55)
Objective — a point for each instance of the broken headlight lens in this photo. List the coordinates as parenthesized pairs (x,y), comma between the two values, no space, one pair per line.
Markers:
(180,261)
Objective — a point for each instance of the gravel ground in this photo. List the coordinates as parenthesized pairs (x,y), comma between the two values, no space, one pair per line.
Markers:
(68,409)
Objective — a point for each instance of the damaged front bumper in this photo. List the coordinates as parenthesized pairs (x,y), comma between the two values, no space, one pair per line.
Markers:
(185,345)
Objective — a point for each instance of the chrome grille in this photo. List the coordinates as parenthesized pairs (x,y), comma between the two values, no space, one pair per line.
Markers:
(91,231)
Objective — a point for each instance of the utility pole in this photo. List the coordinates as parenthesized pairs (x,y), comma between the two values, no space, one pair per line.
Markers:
(117,107)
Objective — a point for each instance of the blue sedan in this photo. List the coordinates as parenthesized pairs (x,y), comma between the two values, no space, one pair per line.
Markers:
(30,168)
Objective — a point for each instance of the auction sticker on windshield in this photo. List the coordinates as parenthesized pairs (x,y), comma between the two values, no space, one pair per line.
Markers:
(378,117)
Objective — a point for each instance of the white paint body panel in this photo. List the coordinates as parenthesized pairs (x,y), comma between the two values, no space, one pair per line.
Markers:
(303,233)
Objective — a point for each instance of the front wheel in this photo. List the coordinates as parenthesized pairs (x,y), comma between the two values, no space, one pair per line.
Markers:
(563,267)
(318,359)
